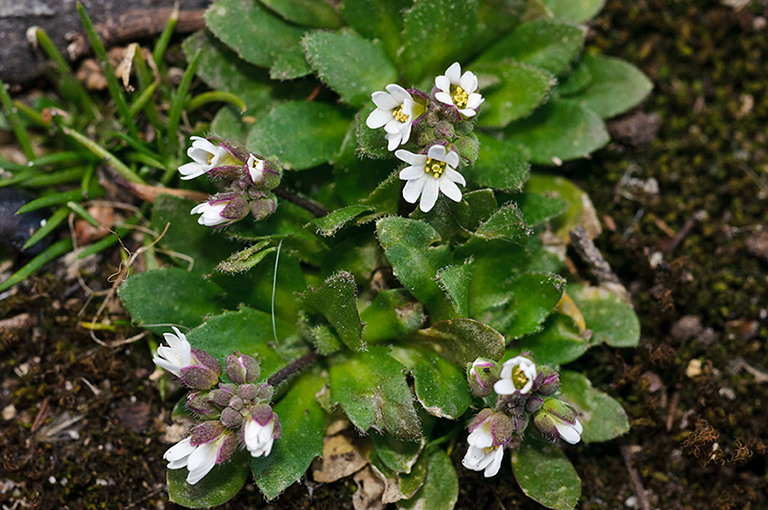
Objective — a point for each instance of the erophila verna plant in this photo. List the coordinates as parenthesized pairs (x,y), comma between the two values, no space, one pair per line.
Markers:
(376,255)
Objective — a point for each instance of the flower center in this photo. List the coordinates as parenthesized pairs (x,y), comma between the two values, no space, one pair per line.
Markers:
(489,449)
(434,167)
(399,115)
(519,379)
(460,97)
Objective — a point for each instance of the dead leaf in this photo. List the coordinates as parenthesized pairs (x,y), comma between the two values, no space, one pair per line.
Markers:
(340,458)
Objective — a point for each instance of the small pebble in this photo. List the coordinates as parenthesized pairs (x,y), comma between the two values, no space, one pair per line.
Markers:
(694,368)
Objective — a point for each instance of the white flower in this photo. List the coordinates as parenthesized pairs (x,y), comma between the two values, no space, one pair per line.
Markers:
(206,156)
(210,214)
(517,376)
(482,454)
(259,438)
(255,167)
(176,355)
(429,175)
(458,90)
(199,460)
(569,432)
(396,111)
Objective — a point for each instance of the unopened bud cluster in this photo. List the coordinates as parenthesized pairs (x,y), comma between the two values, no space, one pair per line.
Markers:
(525,393)
(247,181)
(438,126)
(232,414)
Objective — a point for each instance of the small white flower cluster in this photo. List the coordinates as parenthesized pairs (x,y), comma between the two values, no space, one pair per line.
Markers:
(248,181)
(232,413)
(524,394)
(443,122)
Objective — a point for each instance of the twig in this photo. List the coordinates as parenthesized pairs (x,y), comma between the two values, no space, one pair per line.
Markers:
(597,264)
(318,210)
(637,483)
(678,238)
(293,367)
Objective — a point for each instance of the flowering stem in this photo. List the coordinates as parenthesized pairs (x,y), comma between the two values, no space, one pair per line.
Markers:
(293,367)
(318,210)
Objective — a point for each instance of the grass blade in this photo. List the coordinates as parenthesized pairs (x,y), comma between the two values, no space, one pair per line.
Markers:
(47,201)
(53,251)
(116,164)
(50,225)
(165,37)
(213,97)
(19,129)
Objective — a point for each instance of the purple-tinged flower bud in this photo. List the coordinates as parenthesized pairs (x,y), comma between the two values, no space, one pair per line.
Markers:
(236,403)
(263,172)
(199,377)
(242,369)
(208,361)
(547,382)
(265,393)
(248,392)
(444,129)
(263,207)
(534,403)
(206,432)
(231,418)
(221,210)
(200,403)
(221,396)
(519,423)
(557,420)
(468,148)
(482,374)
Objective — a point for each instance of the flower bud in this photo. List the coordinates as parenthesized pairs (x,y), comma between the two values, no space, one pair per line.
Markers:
(534,403)
(248,392)
(263,172)
(200,403)
(444,129)
(263,207)
(242,369)
(221,396)
(206,432)
(482,374)
(557,420)
(207,360)
(199,377)
(231,418)
(468,148)
(221,210)
(547,382)
(265,393)
(236,403)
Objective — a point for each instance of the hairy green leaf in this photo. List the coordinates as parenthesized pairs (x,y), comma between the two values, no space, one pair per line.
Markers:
(309,13)
(616,86)
(216,488)
(441,487)
(546,475)
(611,320)
(520,89)
(603,417)
(577,11)
(500,164)
(336,299)
(463,340)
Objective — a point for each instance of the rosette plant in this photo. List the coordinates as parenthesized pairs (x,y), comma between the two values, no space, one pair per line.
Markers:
(419,326)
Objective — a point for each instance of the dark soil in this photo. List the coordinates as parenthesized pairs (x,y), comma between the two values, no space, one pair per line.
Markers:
(693,255)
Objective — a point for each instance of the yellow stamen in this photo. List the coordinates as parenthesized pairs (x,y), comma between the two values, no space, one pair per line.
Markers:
(434,167)
(460,97)
(398,114)
(489,449)
(519,379)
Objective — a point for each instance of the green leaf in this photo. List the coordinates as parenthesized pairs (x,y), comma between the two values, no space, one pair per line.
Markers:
(548,44)
(577,11)
(506,223)
(216,488)
(519,305)
(441,386)
(204,247)
(290,65)
(301,438)
(496,18)
(169,296)
(302,135)
(616,86)
(309,13)
(538,209)
(352,66)
(463,340)
(611,320)
(382,19)
(221,69)
(436,34)
(455,282)
(520,90)
(391,315)
(333,221)
(371,389)
(247,330)
(558,343)
(603,417)
(546,475)
(561,130)
(577,81)
(246,259)
(580,209)
(228,123)
(395,453)
(413,481)
(407,246)
(255,33)
(371,143)
(500,164)
(441,487)
(336,299)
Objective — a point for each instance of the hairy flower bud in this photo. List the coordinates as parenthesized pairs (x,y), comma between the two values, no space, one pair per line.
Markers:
(242,369)
(557,420)
(221,396)
(482,374)
(200,403)
(263,207)
(248,392)
(547,382)
(468,148)
(231,418)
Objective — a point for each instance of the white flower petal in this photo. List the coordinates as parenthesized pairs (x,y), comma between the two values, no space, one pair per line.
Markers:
(394,126)
(384,101)
(411,172)
(467,112)
(413,188)
(473,458)
(449,189)
(474,100)
(481,437)
(443,83)
(496,458)
(191,170)
(453,73)
(468,82)
(378,118)
(201,461)
(398,92)
(177,454)
(393,140)
(568,433)
(429,194)
(411,158)
(452,158)
(504,387)
(444,98)
(437,152)
(454,176)
(405,134)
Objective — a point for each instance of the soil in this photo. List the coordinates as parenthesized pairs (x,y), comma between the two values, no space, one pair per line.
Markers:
(83,426)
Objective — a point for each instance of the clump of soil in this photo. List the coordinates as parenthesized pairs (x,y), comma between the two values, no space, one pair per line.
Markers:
(685,214)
